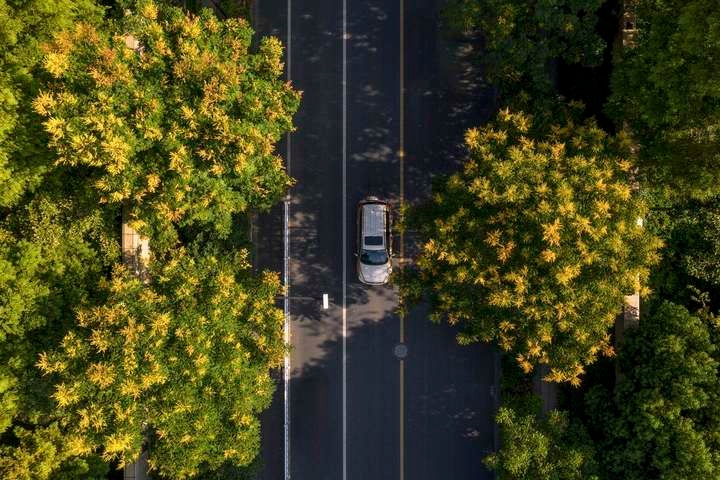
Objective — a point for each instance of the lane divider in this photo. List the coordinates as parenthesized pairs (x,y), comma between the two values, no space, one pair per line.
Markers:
(344,240)
(401,158)
(286,275)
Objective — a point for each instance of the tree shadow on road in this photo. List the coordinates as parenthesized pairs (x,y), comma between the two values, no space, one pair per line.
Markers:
(450,401)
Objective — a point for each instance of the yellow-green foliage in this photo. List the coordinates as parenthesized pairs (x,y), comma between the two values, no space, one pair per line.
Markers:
(172,119)
(172,113)
(24,27)
(45,453)
(534,243)
(551,448)
(184,360)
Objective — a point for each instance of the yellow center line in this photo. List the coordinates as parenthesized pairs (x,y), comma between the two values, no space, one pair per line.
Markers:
(401,158)
(401,152)
(402,420)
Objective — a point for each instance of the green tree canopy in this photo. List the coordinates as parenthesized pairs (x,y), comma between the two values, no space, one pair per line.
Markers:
(184,359)
(664,418)
(183,127)
(534,243)
(522,39)
(667,89)
(26,25)
(43,454)
(541,449)
(53,250)
(691,257)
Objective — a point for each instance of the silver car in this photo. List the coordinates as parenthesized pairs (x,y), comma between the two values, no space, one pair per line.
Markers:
(374,241)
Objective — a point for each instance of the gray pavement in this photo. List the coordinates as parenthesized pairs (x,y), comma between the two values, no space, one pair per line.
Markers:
(446,390)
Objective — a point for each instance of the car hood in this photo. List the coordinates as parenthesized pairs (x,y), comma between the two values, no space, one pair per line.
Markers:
(374,273)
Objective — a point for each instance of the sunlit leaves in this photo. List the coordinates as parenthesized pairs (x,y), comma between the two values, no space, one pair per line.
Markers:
(46,453)
(26,25)
(192,367)
(179,122)
(192,104)
(534,243)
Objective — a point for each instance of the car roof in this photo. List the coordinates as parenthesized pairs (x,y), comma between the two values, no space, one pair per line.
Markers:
(374,224)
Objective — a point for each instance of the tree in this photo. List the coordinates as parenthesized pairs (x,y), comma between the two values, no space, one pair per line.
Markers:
(52,253)
(523,38)
(43,454)
(26,265)
(667,90)
(534,243)
(225,8)
(52,249)
(691,257)
(664,418)
(26,25)
(182,128)
(548,449)
(229,471)
(183,360)
(21,292)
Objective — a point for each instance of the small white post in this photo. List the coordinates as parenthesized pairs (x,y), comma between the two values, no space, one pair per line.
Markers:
(326,301)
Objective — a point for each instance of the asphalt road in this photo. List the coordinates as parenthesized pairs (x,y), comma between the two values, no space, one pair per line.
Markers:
(357,411)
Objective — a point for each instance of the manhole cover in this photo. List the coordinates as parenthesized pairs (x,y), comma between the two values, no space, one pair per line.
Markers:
(400,350)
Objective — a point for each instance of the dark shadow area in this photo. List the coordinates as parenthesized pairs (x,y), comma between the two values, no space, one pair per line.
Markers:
(448,409)
(446,94)
(451,394)
(592,85)
(313,156)
(572,399)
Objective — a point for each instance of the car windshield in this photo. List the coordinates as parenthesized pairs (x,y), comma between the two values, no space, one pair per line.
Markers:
(374,257)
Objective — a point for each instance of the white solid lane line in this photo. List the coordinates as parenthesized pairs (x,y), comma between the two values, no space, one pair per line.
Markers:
(401,155)
(286,334)
(344,241)
(286,276)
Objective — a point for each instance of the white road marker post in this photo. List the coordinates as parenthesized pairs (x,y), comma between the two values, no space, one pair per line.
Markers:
(326,301)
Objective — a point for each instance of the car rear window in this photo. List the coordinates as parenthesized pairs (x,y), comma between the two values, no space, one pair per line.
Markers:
(374,241)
